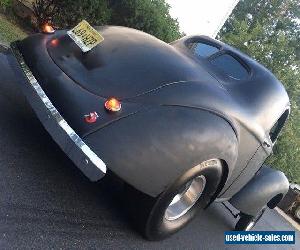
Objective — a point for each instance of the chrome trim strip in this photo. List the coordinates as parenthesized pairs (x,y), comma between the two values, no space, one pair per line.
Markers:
(91,156)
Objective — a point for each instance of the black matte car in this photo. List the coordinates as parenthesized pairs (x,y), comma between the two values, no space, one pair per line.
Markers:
(182,124)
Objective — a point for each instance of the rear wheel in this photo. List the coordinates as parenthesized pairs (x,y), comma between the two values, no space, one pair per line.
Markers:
(186,198)
(297,213)
(158,218)
(247,222)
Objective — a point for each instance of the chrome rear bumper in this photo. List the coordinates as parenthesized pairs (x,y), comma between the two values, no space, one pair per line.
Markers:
(75,148)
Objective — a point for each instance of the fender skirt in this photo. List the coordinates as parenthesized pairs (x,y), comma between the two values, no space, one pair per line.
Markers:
(267,187)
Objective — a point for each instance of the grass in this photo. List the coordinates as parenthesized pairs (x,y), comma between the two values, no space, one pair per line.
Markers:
(9,31)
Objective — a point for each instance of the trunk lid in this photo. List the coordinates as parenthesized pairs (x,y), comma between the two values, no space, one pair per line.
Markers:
(126,64)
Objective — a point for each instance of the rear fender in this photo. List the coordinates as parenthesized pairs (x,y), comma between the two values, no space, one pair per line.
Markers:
(267,187)
(153,148)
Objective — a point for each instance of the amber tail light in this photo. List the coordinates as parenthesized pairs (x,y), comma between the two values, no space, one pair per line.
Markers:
(48,29)
(113,105)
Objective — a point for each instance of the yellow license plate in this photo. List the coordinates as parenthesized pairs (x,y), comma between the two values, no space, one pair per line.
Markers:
(85,36)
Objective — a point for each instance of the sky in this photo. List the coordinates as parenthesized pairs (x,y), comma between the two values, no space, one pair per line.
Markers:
(201,16)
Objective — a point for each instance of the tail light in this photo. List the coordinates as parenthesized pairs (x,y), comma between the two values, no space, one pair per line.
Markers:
(91,117)
(113,105)
(48,29)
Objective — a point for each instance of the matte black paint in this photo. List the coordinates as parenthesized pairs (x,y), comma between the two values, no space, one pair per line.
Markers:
(153,160)
(178,109)
(50,122)
(266,184)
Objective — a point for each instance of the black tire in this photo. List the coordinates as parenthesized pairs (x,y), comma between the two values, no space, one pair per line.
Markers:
(297,213)
(149,213)
(247,222)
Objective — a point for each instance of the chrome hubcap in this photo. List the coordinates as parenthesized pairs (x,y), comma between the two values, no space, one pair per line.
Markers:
(297,213)
(250,226)
(186,199)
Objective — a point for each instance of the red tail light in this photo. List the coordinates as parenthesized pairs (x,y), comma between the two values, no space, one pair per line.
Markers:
(54,42)
(113,105)
(91,117)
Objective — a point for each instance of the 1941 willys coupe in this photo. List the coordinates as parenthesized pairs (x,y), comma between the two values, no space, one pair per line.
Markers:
(182,124)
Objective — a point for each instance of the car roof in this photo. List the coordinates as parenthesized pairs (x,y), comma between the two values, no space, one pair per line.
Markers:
(254,69)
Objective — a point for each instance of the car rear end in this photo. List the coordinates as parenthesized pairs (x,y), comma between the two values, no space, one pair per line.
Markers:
(68,111)
(69,89)
(53,121)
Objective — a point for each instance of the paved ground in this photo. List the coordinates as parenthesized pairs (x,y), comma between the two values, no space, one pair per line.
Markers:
(46,203)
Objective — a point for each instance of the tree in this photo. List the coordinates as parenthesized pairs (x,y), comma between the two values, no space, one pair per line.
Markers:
(151,16)
(73,11)
(269,31)
(68,13)
(44,11)
(5,5)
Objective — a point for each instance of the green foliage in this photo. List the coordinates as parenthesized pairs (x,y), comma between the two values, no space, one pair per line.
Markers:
(5,5)
(9,31)
(68,13)
(269,31)
(151,16)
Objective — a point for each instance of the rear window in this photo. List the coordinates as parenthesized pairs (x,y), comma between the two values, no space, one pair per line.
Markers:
(230,66)
(203,49)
